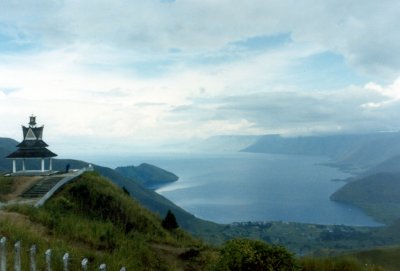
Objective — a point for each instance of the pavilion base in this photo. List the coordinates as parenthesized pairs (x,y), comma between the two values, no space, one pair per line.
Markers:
(34,173)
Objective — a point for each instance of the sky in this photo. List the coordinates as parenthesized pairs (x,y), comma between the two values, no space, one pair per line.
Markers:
(129,75)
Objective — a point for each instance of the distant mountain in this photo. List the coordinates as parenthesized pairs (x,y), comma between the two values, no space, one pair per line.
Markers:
(146,197)
(378,195)
(374,157)
(7,146)
(222,143)
(391,165)
(359,150)
(148,175)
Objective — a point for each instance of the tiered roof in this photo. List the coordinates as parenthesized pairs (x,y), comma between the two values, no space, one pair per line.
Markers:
(32,146)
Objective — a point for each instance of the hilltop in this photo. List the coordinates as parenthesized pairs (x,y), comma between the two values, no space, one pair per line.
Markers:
(93,218)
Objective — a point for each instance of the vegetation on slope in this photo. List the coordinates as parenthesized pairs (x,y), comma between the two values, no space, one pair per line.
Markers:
(147,175)
(93,218)
(208,231)
(387,257)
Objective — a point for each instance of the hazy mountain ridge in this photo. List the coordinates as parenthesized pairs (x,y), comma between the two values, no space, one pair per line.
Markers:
(360,151)
(220,143)
(375,158)
(391,165)
(7,145)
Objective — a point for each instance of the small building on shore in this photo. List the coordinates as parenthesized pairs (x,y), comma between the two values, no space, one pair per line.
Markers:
(32,148)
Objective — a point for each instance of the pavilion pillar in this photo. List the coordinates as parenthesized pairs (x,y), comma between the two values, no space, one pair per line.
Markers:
(51,164)
(14,166)
(23,165)
(42,164)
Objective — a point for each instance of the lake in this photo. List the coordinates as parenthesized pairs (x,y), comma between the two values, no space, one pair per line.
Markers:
(236,187)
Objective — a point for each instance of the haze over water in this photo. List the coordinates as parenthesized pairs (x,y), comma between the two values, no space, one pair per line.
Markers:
(235,187)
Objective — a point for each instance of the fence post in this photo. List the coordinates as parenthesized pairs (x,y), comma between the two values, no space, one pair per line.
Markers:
(65,261)
(17,259)
(84,264)
(32,254)
(3,252)
(103,267)
(48,259)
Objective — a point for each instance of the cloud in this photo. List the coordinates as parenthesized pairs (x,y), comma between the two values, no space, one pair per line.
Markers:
(152,70)
(293,113)
(355,30)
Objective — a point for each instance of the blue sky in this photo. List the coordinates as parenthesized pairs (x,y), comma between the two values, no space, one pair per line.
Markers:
(146,73)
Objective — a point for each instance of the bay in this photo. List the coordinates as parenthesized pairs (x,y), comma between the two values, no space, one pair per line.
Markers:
(238,187)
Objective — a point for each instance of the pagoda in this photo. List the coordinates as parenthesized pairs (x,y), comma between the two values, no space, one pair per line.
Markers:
(32,148)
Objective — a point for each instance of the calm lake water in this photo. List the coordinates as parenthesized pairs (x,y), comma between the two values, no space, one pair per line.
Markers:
(233,187)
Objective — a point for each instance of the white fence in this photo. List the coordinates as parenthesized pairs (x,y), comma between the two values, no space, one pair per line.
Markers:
(32,259)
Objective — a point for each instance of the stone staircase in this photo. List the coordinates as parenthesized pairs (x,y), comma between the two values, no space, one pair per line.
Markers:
(42,187)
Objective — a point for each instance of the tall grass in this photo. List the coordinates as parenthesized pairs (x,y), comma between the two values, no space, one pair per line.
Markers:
(335,264)
(93,218)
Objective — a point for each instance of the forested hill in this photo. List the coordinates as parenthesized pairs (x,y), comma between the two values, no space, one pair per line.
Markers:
(359,150)
(377,194)
(148,175)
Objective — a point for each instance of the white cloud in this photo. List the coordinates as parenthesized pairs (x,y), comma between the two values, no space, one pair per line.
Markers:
(361,31)
(135,71)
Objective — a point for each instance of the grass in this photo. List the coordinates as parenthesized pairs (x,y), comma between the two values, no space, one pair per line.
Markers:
(12,186)
(93,218)
(6,186)
(387,257)
(336,264)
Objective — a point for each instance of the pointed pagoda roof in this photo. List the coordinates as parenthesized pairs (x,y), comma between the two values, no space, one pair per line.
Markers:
(32,145)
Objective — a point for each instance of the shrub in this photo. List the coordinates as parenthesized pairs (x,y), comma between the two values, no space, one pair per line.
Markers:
(252,255)
(169,222)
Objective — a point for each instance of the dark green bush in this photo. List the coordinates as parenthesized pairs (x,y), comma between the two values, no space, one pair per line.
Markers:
(169,222)
(252,255)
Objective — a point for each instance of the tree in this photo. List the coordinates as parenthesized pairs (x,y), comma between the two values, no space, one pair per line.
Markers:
(252,255)
(169,222)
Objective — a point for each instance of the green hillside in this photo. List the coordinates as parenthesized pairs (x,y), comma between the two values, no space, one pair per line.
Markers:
(147,175)
(93,218)
(377,195)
